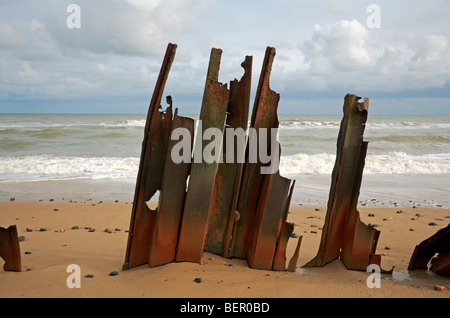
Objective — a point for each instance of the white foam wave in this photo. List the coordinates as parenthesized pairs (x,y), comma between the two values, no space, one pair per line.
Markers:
(391,163)
(33,168)
(48,167)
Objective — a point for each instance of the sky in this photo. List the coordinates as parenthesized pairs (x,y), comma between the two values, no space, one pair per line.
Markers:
(104,56)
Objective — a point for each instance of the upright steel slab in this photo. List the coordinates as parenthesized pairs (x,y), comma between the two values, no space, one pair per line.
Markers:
(203,174)
(228,178)
(151,166)
(344,235)
(264,115)
(166,225)
(10,249)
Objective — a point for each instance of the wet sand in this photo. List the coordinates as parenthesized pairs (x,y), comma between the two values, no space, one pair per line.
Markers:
(98,253)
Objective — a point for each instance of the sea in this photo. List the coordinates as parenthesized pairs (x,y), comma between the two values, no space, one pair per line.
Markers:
(97,155)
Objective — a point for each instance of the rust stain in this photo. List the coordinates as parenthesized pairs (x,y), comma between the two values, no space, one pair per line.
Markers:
(10,249)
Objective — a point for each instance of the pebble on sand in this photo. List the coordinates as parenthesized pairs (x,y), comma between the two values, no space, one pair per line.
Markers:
(198,280)
(114,273)
(439,287)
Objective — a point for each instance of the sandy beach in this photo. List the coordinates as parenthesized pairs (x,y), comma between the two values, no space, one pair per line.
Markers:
(46,254)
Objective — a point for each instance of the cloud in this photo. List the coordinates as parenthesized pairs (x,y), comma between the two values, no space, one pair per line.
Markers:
(341,46)
(10,37)
(132,27)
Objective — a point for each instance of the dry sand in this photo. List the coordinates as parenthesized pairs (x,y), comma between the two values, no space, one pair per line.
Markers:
(98,253)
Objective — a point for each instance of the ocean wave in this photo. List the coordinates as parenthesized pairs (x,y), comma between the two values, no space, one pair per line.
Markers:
(46,167)
(49,167)
(391,163)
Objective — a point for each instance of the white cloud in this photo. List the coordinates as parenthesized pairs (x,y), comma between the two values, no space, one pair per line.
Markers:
(341,46)
(10,37)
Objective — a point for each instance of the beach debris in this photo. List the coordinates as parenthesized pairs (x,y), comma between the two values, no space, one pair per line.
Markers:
(10,249)
(438,243)
(439,287)
(344,236)
(227,207)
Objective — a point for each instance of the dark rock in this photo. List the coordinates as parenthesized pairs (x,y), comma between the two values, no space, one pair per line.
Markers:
(27,252)
(313,232)
(12,199)
(89,276)
(42,229)
(21,238)
(75,227)
(198,280)
(371,215)
(55,210)
(293,235)
(316,209)
(91,230)
(432,224)
(114,273)
(29,230)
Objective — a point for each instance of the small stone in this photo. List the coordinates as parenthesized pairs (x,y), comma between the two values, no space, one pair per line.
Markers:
(89,276)
(229,265)
(55,210)
(439,287)
(387,248)
(114,273)
(411,230)
(116,201)
(87,227)
(316,210)
(28,252)
(198,280)
(108,231)
(399,212)
(313,232)
(42,229)
(418,215)
(117,229)
(384,219)
(432,224)
(91,230)
(12,199)
(29,230)
(371,215)
(51,200)
(21,238)
(412,219)
(75,227)
(293,235)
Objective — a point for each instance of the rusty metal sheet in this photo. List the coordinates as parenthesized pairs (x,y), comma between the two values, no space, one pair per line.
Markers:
(268,221)
(10,249)
(168,214)
(203,174)
(264,115)
(151,165)
(344,235)
(229,172)
(279,260)
(437,243)
(294,259)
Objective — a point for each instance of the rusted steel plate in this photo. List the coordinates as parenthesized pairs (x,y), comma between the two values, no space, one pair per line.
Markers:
(294,259)
(10,249)
(203,174)
(268,221)
(168,214)
(151,165)
(344,235)
(229,172)
(264,115)
(437,243)
(279,260)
